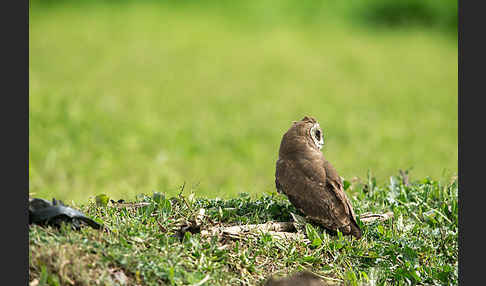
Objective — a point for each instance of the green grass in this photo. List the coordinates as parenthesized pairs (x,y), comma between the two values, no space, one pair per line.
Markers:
(147,96)
(418,246)
(132,97)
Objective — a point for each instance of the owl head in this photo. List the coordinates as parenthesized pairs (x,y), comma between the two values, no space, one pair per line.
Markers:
(302,135)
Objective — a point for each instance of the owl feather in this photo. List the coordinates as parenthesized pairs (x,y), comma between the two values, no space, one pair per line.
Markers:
(310,182)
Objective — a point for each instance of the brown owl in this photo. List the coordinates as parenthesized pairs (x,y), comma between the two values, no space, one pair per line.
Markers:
(310,182)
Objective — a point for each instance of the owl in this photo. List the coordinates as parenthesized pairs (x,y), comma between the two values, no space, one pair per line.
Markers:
(310,182)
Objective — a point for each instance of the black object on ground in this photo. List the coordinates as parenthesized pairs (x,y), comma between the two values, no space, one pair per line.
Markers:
(43,212)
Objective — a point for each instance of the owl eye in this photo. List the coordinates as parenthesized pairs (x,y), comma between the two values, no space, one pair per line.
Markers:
(318,134)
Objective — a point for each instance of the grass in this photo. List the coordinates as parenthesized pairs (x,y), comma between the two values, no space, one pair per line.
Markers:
(141,247)
(147,96)
(128,97)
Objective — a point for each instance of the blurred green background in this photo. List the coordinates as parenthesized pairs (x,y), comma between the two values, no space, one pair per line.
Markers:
(130,97)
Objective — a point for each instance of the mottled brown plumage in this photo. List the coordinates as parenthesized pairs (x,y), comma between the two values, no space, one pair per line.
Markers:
(310,182)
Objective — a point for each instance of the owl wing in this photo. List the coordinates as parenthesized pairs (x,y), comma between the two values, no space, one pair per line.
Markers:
(311,191)
(336,185)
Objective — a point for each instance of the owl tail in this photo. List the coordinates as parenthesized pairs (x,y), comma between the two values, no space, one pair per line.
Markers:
(355,230)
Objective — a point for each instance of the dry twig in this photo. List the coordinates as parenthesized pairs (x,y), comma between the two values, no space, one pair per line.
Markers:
(369,217)
(131,205)
(279,230)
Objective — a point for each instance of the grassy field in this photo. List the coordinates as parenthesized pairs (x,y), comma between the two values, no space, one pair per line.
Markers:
(126,99)
(147,245)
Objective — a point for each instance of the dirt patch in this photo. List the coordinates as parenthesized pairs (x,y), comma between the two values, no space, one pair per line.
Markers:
(72,265)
